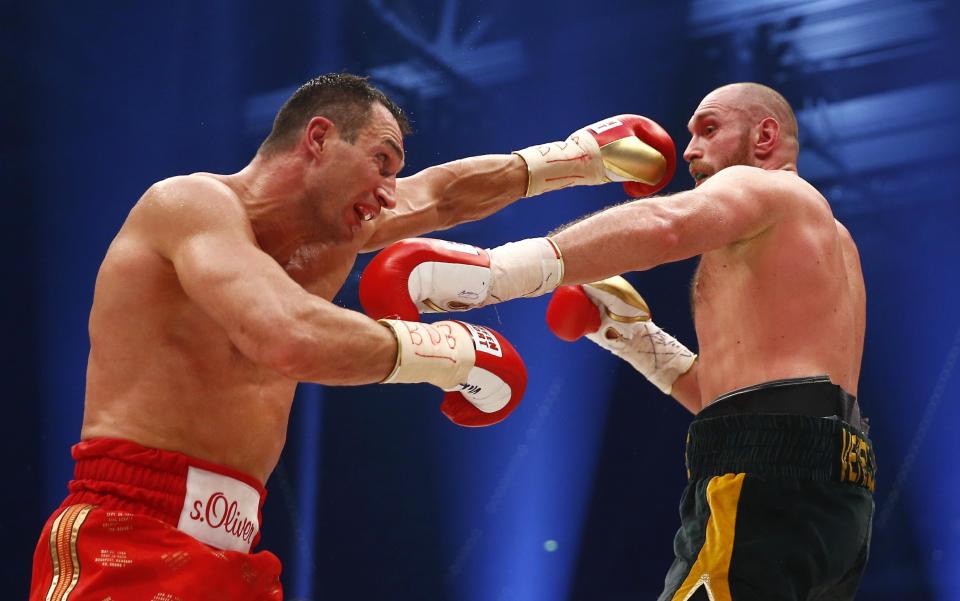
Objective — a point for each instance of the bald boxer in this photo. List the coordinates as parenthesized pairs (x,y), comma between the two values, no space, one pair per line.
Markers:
(213,301)
(779,503)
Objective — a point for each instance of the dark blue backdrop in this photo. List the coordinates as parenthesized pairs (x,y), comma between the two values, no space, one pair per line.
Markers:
(574,497)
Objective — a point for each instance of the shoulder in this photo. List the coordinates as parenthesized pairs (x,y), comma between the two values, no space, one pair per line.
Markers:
(773,188)
(190,200)
(846,240)
(180,207)
(757,180)
(195,193)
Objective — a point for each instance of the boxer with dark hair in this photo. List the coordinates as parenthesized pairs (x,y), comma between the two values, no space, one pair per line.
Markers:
(779,503)
(214,300)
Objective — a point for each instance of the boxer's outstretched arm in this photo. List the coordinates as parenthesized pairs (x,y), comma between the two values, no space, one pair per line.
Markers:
(202,230)
(626,148)
(445,195)
(737,203)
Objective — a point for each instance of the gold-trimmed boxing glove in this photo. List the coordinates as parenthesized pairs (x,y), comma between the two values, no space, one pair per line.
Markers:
(625,148)
(612,314)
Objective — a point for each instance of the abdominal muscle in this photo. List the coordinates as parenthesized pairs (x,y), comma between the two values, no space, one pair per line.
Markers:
(200,397)
(163,374)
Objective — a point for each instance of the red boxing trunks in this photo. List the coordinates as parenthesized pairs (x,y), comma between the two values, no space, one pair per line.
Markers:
(144,524)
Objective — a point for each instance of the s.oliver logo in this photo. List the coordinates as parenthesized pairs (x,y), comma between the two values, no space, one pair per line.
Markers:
(220,511)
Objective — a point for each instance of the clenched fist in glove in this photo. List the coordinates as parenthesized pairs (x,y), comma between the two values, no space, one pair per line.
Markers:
(423,275)
(625,148)
(483,375)
(612,314)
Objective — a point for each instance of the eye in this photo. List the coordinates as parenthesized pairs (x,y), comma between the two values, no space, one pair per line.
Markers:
(383,161)
(709,129)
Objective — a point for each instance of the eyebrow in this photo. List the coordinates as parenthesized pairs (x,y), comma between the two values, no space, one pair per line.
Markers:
(396,148)
(700,117)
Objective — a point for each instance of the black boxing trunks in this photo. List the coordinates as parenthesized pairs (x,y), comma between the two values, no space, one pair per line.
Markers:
(779,503)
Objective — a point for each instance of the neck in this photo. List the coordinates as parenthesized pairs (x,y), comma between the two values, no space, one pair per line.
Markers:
(273,192)
(786,166)
(779,162)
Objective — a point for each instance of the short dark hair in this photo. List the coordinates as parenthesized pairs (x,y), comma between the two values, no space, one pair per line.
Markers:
(345,99)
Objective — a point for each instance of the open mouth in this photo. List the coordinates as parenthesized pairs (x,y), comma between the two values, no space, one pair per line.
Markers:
(363,212)
(699,177)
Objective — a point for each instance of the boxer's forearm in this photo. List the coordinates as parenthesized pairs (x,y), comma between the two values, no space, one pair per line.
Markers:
(445,195)
(633,236)
(473,188)
(325,344)
(686,389)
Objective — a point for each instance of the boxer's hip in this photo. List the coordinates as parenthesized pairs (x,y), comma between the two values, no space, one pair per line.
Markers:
(214,504)
(778,474)
(803,428)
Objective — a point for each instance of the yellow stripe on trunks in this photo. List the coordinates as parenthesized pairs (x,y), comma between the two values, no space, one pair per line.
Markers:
(63,551)
(712,566)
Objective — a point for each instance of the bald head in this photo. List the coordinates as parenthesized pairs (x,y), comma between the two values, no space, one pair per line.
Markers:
(760,101)
(742,124)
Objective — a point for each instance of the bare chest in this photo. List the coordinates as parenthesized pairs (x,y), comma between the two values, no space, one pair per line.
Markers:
(321,269)
(710,279)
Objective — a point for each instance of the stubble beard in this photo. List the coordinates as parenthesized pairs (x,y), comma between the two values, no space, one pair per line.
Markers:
(742,154)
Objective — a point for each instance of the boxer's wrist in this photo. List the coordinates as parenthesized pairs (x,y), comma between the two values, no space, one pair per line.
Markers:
(627,331)
(657,355)
(555,165)
(527,268)
(440,353)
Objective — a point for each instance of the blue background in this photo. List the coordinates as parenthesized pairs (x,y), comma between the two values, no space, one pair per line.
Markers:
(377,496)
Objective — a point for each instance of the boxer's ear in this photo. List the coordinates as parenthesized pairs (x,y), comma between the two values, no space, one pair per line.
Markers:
(767,138)
(317,132)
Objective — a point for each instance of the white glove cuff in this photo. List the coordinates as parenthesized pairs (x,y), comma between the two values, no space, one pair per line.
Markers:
(651,351)
(440,353)
(573,162)
(527,268)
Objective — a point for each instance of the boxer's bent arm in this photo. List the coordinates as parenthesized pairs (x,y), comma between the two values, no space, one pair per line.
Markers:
(268,316)
(737,203)
(443,196)
(276,323)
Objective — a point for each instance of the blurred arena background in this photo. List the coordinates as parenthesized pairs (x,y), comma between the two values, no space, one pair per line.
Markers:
(575,497)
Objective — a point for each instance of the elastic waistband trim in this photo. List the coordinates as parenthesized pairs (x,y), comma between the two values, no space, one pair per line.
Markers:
(125,476)
(814,396)
(781,446)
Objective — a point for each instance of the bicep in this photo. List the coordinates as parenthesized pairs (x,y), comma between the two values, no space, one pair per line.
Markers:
(734,205)
(202,229)
(239,286)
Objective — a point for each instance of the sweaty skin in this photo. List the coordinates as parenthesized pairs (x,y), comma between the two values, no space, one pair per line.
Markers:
(213,300)
(778,292)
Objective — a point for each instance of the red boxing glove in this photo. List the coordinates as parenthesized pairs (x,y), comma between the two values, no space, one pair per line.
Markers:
(571,314)
(613,315)
(627,161)
(626,148)
(498,377)
(423,275)
(483,374)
